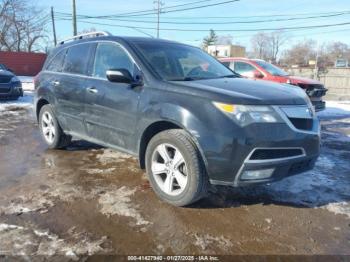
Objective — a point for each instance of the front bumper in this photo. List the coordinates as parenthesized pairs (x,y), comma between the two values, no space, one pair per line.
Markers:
(319,105)
(278,168)
(11,90)
(261,147)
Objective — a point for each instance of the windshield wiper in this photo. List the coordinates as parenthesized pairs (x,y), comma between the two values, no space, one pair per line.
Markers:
(229,76)
(185,79)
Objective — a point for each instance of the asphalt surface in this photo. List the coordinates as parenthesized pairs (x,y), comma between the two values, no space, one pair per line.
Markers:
(88,200)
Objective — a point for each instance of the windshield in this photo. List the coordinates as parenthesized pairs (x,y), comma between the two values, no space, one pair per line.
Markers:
(273,70)
(2,67)
(177,62)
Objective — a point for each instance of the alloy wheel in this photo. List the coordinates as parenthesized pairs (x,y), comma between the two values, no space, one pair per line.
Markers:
(48,127)
(169,169)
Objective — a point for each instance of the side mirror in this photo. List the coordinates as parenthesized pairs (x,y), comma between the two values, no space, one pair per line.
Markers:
(119,76)
(258,74)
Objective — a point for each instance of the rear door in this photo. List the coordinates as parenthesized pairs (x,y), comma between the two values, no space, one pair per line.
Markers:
(70,88)
(111,108)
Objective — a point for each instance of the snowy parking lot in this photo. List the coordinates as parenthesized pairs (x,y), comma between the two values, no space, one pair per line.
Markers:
(91,200)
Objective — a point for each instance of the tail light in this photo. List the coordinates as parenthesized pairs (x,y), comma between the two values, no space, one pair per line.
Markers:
(35,80)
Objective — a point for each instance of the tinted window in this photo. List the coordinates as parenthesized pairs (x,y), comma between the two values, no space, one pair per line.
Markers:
(57,62)
(111,56)
(177,62)
(77,59)
(241,68)
(273,70)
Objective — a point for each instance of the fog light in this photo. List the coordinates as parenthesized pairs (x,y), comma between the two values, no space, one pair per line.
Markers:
(257,174)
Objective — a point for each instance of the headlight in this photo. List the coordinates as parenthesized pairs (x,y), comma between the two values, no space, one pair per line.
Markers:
(248,114)
(15,79)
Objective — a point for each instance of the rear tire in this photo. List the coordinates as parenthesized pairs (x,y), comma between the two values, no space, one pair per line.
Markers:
(50,129)
(175,168)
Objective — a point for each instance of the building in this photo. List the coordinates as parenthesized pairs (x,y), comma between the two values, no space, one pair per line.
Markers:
(226,50)
(23,63)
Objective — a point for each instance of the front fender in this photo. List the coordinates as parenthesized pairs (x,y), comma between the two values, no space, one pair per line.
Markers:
(198,130)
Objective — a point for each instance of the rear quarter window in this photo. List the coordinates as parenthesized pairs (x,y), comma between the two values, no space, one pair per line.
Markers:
(57,61)
(77,59)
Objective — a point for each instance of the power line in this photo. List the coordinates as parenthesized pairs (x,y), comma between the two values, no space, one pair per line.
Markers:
(132,14)
(224,23)
(221,30)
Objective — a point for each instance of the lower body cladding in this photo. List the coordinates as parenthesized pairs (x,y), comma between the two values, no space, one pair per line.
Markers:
(262,153)
(11,90)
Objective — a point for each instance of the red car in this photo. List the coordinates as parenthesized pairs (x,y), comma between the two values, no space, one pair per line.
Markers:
(259,69)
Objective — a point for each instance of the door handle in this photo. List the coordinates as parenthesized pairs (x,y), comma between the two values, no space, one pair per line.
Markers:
(55,83)
(92,90)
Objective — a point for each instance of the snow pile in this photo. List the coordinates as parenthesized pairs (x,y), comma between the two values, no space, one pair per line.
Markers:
(25,102)
(117,201)
(208,241)
(335,109)
(17,240)
(27,82)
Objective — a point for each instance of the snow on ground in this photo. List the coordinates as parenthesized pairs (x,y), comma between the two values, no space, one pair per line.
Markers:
(24,241)
(335,109)
(27,82)
(25,102)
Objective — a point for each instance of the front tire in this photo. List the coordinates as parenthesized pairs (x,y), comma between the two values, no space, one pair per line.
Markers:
(50,129)
(175,168)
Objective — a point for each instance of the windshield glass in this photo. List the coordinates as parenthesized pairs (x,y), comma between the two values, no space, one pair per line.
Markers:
(2,67)
(273,70)
(177,62)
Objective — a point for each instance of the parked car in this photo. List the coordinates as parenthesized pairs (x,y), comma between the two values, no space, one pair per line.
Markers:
(190,120)
(260,69)
(10,85)
(341,63)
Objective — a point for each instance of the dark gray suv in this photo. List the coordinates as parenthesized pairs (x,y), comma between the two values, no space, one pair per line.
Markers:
(190,120)
(10,85)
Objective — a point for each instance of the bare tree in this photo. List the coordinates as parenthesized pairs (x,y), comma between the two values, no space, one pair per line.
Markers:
(260,45)
(22,26)
(268,46)
(301,53)
(276,40)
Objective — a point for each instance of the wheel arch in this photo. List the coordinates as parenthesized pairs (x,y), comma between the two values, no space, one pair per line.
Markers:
(40,103)
(157,127)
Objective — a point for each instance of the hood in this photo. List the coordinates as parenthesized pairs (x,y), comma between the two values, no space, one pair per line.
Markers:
(244,91)
(303,80)
(6,73)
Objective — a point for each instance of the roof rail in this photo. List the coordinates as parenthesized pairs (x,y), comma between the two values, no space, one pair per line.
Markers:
(86,35)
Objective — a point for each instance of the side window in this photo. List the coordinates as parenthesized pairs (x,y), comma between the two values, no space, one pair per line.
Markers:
(77,59)
(110,56)
(241,68)
(57,62)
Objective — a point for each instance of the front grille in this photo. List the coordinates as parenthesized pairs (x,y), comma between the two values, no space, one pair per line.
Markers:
(302,123)
(5,79)
(264,154)
(314,90)
(4,90)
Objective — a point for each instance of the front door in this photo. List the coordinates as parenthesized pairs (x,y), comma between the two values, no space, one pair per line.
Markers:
(111,108)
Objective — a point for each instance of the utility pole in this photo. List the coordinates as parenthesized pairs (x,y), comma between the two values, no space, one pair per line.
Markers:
(75,31)
(316,63)
(159,5)
(53,26)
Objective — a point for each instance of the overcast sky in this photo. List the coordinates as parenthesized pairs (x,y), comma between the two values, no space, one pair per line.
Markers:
(242,10)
